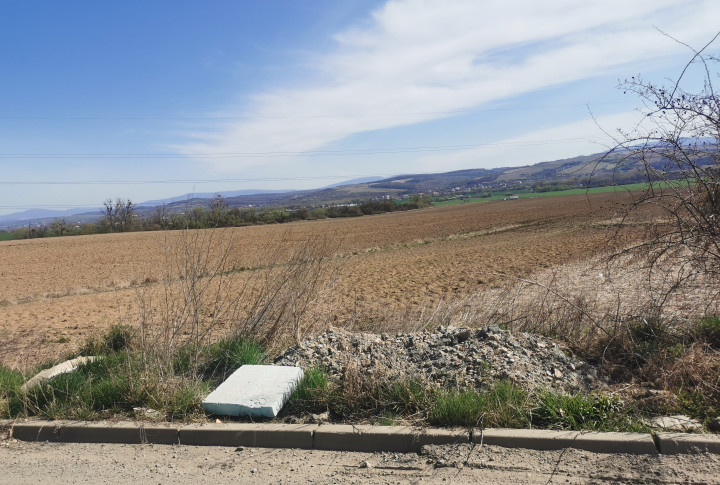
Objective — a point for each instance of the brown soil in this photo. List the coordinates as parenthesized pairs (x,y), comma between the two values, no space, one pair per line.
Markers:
(54,293)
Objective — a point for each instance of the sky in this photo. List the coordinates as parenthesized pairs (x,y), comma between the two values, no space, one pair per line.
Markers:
(155,99)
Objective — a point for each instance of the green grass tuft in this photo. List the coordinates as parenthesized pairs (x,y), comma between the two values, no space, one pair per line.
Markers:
(500,405)
(583,412)
(226,356)
(312,395)
(708,330)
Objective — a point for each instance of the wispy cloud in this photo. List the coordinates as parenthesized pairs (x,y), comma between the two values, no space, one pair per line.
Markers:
(415,60)
(584,137)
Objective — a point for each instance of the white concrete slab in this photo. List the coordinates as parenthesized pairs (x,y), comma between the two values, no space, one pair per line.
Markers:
(63,368)
(254,390)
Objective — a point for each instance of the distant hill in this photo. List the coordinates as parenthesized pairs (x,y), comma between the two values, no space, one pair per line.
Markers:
(582,171)
(40,216)
(207,195)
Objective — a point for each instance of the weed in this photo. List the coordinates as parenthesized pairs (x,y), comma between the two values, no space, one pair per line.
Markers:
(501,405)
(708,331)
(390,419)
(313,394)
(225,356)
(10,382)
(583,412)
(698,405)
(405,397)
(116,339)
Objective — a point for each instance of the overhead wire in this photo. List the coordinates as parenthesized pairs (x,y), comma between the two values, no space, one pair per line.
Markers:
(270,154)
(285,116)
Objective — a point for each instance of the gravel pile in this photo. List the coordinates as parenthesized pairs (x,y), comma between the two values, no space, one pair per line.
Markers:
(448,356)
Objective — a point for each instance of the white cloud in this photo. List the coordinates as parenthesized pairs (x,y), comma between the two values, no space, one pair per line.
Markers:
(584,137)
(425,56)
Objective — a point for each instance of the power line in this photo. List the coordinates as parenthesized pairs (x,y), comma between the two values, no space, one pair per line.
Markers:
(57,206)
(182,181)
(272,154)
(280,116)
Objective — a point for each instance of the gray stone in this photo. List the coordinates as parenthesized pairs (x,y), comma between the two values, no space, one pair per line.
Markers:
(677,422)
(254,390)
(149,413)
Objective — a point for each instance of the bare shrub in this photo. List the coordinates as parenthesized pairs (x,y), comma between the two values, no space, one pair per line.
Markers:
(291,300)
(677,147)
(204,296)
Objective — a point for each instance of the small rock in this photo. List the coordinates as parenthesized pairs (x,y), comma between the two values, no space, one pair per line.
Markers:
(366,464)
(254,471)
(677,422)
(148,413)
(319,418)
(462,335)
(714,425)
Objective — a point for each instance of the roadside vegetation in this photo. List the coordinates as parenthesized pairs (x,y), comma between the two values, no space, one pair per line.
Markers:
(122,384)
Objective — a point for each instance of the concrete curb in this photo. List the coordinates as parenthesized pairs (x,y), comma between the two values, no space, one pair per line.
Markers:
(365,438)
(676,443)
(248,434)
(345,437)
(542,439)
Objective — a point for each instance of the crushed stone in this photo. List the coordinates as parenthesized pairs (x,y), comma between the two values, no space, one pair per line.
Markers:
(448,356)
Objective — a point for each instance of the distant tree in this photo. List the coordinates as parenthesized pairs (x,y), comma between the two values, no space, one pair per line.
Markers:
(421,200)
(117,216)
(161,217)
(218,214)
(59,227)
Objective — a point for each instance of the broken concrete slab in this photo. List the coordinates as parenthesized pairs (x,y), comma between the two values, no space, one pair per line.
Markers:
(254,390)
(63,368)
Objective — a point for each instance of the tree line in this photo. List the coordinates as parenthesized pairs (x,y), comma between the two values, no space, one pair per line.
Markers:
(122,215)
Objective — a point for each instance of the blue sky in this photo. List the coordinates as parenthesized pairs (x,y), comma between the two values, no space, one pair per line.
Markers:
(147,100)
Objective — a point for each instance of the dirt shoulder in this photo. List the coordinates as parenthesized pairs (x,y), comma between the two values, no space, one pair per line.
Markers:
(26,463)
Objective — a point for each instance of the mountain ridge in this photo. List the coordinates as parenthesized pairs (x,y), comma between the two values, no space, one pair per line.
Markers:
(616,168)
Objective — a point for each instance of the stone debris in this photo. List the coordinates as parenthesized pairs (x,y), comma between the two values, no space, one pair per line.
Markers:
(448,356)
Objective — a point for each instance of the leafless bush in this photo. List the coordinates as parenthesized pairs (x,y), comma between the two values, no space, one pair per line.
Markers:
(289,302)
(677,147)
(204,296)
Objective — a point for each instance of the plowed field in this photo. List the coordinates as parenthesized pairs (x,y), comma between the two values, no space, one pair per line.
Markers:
(56,292)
